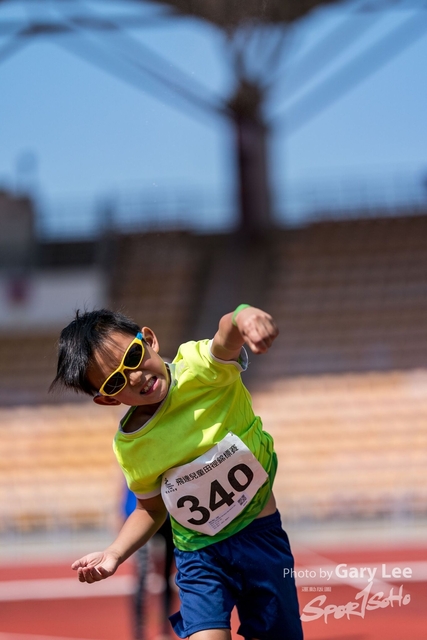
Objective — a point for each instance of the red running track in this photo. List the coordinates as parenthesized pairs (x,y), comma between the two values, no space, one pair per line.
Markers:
(46,601)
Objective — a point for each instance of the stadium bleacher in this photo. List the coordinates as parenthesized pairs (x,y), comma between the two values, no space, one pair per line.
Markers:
(27,367)
(343,391)
(57,467)
(155,281)
(350,446)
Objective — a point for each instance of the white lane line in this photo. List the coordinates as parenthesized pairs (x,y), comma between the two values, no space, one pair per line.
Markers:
(61,588)
(53,588)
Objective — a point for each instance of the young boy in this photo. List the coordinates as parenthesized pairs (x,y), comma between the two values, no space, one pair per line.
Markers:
(190,444)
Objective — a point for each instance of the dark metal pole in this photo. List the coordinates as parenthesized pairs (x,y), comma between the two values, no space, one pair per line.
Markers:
(251,152)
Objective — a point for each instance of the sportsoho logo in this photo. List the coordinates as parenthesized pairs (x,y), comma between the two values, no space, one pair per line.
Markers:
(375,592)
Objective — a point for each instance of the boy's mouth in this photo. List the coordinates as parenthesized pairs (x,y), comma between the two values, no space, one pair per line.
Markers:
(149,386)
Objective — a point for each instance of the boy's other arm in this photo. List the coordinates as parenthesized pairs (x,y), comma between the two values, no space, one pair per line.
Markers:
(141,525)
(252,326)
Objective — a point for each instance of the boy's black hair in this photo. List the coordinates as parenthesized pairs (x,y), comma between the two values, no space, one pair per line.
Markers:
(78,341)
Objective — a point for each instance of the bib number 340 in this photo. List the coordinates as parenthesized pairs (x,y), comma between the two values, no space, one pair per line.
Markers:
(239,477)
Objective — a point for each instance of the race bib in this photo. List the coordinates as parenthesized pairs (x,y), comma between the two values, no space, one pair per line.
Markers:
(206,494)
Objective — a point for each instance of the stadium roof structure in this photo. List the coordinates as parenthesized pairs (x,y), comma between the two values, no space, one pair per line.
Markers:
(233,13)
(244,107)
(257,34)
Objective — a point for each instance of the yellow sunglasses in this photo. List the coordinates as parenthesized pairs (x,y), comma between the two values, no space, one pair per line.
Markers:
(131,360)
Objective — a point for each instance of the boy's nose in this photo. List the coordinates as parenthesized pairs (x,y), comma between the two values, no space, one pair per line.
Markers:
(134,377)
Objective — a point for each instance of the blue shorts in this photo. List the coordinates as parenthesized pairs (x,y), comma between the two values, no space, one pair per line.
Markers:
(246,571)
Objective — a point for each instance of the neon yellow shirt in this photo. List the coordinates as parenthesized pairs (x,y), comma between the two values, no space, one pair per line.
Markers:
(206,400)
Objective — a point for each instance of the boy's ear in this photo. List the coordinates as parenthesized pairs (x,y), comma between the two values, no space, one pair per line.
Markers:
(105,400)
(150,338)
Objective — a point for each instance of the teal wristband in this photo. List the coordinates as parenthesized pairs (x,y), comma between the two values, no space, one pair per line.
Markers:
(237,311)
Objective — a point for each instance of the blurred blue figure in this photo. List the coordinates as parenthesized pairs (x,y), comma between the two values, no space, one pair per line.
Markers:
(141,559)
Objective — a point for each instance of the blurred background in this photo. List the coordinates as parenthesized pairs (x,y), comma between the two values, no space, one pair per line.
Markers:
(174,159)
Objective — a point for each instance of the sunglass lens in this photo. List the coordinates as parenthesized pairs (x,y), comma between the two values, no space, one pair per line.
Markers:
(134,356)
(114,384)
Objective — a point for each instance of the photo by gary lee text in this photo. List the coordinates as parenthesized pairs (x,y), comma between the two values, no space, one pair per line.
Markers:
(343,572)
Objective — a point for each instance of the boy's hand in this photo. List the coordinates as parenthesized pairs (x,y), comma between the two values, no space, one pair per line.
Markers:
(257,328)
(96,566)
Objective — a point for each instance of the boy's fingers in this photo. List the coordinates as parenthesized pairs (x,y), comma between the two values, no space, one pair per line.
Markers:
(264,327)
(89,568)
(260,338)
(85,561)
(256,344)
(91,575)
(96,575)
(270,328)
(259,347)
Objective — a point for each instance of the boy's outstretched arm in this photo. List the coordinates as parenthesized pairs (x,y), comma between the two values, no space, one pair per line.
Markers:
(141,525)
(252,326)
